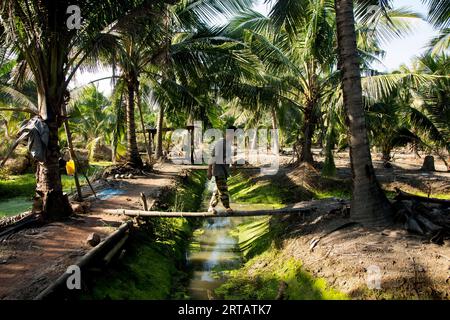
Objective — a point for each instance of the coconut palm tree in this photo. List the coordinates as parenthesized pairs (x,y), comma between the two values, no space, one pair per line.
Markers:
(430,112)
(89,114)
(304,63)
(193,60)
(154,49)
(369,203)
(131,51)
(53,51)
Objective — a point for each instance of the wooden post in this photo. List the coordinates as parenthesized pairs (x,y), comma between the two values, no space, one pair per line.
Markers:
(144,201)
(191,133)
(159,149)
(150,143)
(151,139)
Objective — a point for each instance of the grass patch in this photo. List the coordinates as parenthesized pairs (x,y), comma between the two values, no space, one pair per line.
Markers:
(189,192)
(150,268)
(16,192)
(261,276)
(265,267)
(15,186)
(100,163)
(443,196)
(332,193)
(255,236)
(15,206)
(243,189)
(25,184)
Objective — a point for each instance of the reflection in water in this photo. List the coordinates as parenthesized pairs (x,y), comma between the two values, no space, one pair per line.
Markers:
(215,250)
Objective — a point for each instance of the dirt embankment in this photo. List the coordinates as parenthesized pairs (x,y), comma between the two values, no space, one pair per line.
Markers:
(369,263)
(353,259)
(31,259)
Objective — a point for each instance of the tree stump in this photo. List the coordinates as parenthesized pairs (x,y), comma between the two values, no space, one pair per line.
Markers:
(428,164)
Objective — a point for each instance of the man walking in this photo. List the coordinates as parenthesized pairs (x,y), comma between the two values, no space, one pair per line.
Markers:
(219,167)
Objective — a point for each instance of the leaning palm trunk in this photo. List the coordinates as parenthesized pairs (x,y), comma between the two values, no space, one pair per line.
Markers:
(274,118)
(144,131)
(369,203)
(133,157)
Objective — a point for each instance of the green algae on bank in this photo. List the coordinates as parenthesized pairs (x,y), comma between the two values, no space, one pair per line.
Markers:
(154,264)
(265,268)
(260,279)
(150,270)
(259,242)
(244,190)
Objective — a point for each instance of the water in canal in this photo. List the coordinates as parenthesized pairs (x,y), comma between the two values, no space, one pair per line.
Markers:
(213,249)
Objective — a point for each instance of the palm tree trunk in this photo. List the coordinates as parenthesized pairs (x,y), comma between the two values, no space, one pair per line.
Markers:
(386,154)
(133,157)
(308,132)
(276,143)
(159,138)
(144,131)
(274,118)
(369,203)
(50,201)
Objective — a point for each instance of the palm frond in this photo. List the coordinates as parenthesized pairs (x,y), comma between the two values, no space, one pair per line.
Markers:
(438,12)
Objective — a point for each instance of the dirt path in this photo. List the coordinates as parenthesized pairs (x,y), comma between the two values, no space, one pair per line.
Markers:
(31,259)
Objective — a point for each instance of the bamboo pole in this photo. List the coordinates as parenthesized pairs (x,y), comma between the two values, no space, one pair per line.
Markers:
(301,208)
(115,250)
(72,154)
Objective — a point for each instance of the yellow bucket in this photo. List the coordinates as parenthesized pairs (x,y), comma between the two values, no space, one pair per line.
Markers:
(70,167)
